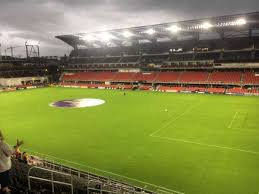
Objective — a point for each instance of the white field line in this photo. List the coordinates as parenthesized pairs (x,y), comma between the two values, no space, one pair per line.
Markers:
(167,192)
(230,124)
(236,129)
(107,172)
(207,145)
(175,119)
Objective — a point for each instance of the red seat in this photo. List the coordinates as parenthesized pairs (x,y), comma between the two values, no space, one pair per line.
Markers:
(250,78)
(167,77)
(225,77)
(124,76)
(216,90)
(194,77)
(147,77)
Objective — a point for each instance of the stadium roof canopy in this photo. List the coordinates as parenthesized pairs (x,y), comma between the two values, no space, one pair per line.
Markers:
(239,25)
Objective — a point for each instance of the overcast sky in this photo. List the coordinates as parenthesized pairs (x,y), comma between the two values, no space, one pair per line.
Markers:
(42,20)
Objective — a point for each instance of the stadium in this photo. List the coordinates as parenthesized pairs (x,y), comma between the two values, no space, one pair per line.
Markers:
(165,108)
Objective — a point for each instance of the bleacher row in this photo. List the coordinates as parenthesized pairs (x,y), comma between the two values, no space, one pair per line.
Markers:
(197,77)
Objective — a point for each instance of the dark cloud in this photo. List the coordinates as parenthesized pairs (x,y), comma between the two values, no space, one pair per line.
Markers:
(41,20)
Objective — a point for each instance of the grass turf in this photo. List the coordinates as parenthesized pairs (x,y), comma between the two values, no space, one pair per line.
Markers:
(203,144)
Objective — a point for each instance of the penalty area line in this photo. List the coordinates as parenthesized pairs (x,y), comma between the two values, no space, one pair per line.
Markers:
(207,145)
(175,119)
(230,125)
(107,172)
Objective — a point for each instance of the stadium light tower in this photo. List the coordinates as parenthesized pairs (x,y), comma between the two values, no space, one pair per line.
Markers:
(32,49)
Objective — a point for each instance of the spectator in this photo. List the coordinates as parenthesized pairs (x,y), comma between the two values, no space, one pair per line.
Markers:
(5,162)
(25,157)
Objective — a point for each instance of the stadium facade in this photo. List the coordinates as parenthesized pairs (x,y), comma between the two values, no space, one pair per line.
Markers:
(213,55)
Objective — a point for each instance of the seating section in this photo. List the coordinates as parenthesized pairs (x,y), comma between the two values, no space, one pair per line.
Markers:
(87,76)
(193,77)
(170,88)
(121,76)
(107,86)
(104,76)
(145,87)
(147,77)
(250,78)
(237,90)
(195,89)
(225,77)
(216,90)
(167,77)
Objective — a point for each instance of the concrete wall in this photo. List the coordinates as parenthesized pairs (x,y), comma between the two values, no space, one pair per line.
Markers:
(19,80)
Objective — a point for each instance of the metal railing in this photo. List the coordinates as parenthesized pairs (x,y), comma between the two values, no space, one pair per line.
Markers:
(51,180)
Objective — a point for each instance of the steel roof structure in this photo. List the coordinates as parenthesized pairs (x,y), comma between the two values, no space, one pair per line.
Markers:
(222,27)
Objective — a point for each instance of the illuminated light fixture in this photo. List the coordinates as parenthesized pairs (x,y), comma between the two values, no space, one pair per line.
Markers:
(88,38)
(174,29)
(127,34)
(105,36)
(206,25)
(32,42)
(150,31)
(240,22)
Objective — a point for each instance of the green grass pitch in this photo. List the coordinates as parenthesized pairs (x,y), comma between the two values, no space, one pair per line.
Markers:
(202,144)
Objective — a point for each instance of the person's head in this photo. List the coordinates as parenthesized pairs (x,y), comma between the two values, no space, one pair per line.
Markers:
(1,136)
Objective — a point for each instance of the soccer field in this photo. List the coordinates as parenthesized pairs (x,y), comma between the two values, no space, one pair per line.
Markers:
(187,143)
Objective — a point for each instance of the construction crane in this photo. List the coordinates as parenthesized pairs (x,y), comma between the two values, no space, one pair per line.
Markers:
(11,48)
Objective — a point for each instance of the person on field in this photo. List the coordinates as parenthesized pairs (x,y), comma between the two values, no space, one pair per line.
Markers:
(5,162)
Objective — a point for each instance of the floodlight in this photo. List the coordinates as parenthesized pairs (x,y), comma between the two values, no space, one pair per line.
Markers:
(174,29)
(88,38)
(241,21)
(206,25)
(150,31)
(127,34)
(32,42)
(105,36)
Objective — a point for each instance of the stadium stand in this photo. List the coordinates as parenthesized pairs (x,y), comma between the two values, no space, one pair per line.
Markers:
(216,90)
(193,77)
(237,90)
(104,76)
(146,77)
(167,77)
(225,77)
(251,78)
(195,89)
(124,77)
(206,81)
(145,87)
